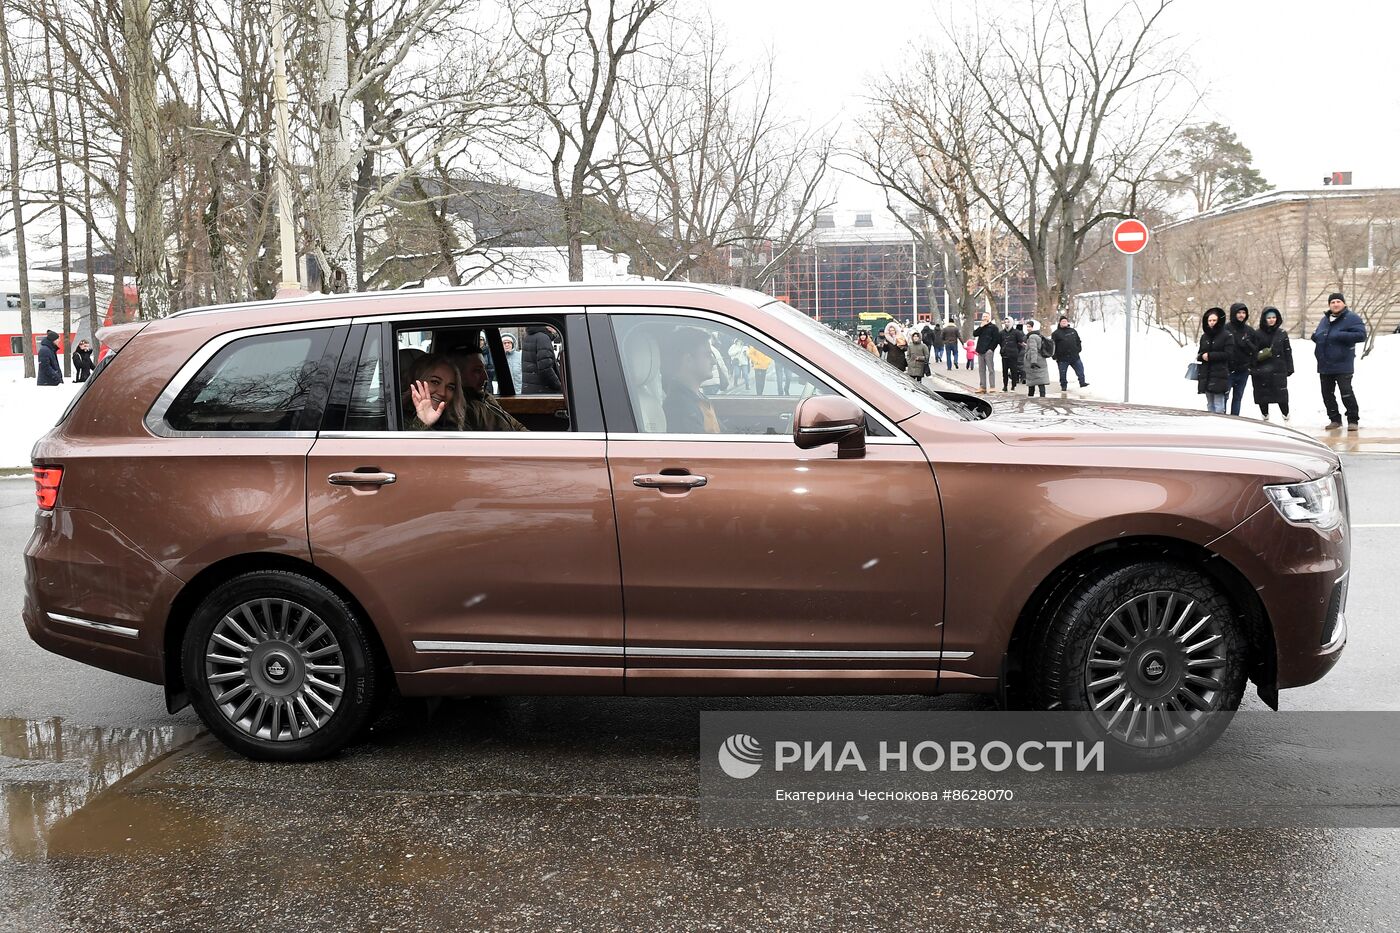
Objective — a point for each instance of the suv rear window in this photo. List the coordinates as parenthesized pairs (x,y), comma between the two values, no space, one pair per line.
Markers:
(261,383)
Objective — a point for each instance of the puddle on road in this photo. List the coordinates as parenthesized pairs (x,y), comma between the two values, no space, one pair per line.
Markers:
(50,770)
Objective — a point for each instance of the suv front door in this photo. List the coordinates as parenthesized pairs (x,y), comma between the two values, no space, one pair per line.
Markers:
(743,556)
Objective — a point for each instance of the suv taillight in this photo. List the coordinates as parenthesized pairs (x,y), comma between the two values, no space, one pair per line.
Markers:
(46,480)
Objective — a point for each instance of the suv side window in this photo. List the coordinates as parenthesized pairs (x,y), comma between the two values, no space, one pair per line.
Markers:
(263,383)
(687,375)
(369,404)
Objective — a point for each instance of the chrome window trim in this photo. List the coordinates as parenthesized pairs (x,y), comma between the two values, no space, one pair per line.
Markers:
(756,438)
(108,627)
(524,312)
(898,436)
(155,417)
(492,647)
(528,436)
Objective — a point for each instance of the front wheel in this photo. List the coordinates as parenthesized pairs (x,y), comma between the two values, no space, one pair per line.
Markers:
(279,668)
(1153,651)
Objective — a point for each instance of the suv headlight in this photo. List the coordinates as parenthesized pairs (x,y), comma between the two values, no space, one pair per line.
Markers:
(1313,503)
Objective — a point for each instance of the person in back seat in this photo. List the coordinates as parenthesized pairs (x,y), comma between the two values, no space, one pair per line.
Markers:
(483,412)
(434,399)
(687,362)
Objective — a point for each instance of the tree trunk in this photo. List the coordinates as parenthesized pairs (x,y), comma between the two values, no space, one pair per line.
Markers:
(89,258)
(26,323)
(119,238)
(143,130)
(573,226)
(62,212)
(335,159)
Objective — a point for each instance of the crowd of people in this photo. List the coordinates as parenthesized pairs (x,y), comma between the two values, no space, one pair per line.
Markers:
(1025,352)
(1231,353)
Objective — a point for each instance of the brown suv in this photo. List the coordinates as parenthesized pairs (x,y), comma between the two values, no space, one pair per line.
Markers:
(281,510)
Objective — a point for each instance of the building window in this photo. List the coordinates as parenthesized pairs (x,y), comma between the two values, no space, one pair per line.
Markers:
(863,219)
(825,220)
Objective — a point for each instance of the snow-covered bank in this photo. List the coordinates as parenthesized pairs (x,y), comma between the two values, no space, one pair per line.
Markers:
(30,410)
(1159,376)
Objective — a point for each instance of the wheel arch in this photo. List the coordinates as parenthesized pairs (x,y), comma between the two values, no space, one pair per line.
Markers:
(207,580)
(1044,600)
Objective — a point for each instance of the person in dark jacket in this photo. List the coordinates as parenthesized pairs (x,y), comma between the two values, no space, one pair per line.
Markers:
(1334,345)
(988,337)
(1013,343)
(1068,346)
(935,349)
(539,370)
(82,361)
(50,373)
(1214,354)
(1272,363)
(896,352)
(951,339)
(1244,352)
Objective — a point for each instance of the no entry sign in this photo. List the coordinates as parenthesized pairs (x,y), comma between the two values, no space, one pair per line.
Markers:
(1130,236)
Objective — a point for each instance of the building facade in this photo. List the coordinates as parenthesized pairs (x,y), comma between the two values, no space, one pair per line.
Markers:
(1288,249)
(861,268)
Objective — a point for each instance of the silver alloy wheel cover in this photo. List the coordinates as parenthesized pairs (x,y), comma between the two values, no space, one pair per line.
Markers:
(274,669)
(1147,704)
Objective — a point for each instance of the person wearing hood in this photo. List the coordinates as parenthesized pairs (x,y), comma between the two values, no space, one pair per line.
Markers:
(82,361)
(1244,352)
(897,352)
(1272,363)
(1038,351)
(917,355)
(50,373)
(1334,345)
(539,370)
(1214,354)
(1068,346)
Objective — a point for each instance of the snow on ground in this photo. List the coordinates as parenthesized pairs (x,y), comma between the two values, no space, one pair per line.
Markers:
(1159,364)
(30,410)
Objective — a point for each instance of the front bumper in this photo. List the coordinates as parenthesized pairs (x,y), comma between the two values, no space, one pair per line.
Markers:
(1301,576)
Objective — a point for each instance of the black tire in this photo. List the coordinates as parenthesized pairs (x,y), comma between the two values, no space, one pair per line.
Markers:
(1116,624)
(248,633)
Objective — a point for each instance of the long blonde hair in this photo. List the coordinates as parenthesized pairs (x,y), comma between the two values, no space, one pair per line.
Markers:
(456,413)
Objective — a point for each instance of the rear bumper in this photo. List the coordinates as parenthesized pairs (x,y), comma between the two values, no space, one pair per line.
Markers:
(91,595)
(1301,576)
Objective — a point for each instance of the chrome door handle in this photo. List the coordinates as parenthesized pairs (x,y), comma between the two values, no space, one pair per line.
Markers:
(361,479)
(669,481)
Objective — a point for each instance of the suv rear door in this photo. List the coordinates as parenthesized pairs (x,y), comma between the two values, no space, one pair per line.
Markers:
(487,560)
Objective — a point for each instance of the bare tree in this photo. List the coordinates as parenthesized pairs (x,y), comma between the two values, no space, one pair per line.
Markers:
(710,181)
(576,58)
(16,183)
(1078,113)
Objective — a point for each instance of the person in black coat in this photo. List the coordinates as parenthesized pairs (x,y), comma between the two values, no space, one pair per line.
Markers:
(539,370)
(1244,352)
(935,349)
(1214,354)
(988,339)
(1068,346)
(50,373)
(82,361)
(1013,342)
(1272,363)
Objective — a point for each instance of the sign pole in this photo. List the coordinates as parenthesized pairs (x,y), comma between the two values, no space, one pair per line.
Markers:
(1128,327)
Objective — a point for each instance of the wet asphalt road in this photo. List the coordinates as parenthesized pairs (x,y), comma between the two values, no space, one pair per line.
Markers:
(569,813)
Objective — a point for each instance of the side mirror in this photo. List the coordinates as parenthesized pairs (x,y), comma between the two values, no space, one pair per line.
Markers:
(830,419)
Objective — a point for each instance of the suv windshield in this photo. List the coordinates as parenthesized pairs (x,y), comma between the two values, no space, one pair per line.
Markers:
(922,394)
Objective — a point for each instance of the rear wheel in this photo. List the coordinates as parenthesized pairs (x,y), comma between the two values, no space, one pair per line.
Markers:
(1154,652)
(279,668)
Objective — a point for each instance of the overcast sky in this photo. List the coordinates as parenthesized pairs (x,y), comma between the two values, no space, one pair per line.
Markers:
(1310,87)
